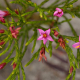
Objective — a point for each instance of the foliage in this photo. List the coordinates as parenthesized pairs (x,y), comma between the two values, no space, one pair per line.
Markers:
(27,23)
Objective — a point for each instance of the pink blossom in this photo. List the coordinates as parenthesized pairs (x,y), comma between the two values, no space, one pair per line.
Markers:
(14,31)
(2,19)
(58,12)
(77,45)
(42,54)
(45,35)
(4,13)
(2,65)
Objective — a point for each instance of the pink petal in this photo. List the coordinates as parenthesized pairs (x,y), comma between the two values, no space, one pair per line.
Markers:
(40,38)
(47,31)
(55,13)
(44,40)
(76,45)
(18,28)
(41,31)
(14,35)
(40,58)
(59,15)
(59,10)
(79,38)
(62,13)
(16,32)
(12,29)
(2,13)
(6,13)
(50,38)
(45,57)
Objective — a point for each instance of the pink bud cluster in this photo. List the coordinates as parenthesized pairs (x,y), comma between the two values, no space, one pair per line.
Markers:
(14,32)
(4,14)
(2,65)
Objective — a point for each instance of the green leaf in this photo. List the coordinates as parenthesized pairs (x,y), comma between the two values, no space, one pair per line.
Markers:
(64,21)
(33,57)
(42,3)
(75,39)
(12,12)
(34,45)
(23,73)
(6,48)
(47,50)
(57,46)
(50,47)
(27,13)
(32,38)
(74,72)
(71,56)
(72,29)
(67,78)
(78,57)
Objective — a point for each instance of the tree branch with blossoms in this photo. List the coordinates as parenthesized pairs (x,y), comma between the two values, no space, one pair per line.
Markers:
(25,22)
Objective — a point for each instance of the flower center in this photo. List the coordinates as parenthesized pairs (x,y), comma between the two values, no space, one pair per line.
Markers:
(78,46)
(44,35)
(59,12)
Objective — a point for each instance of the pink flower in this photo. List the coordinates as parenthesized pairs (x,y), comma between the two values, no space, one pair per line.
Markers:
(2,19)
(2,65)
(42,54)
(14,65)
(4,13)
(45,35)
(77,45)
(58,12)
(14,31)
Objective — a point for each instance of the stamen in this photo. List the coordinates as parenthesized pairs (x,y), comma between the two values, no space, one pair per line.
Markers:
(59,12)
(78,46)
(44,35)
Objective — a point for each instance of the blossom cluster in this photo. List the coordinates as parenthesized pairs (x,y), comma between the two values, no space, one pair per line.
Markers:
(14,32)
(44,35)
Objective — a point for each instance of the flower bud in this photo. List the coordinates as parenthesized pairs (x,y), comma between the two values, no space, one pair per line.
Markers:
(6,13)
(71,69)
(60,39)
(1,31)
(56,33)
(2,42)
(14,65)
(16,11)
(2,65)
(2,19)
(61,42)
(42,54)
